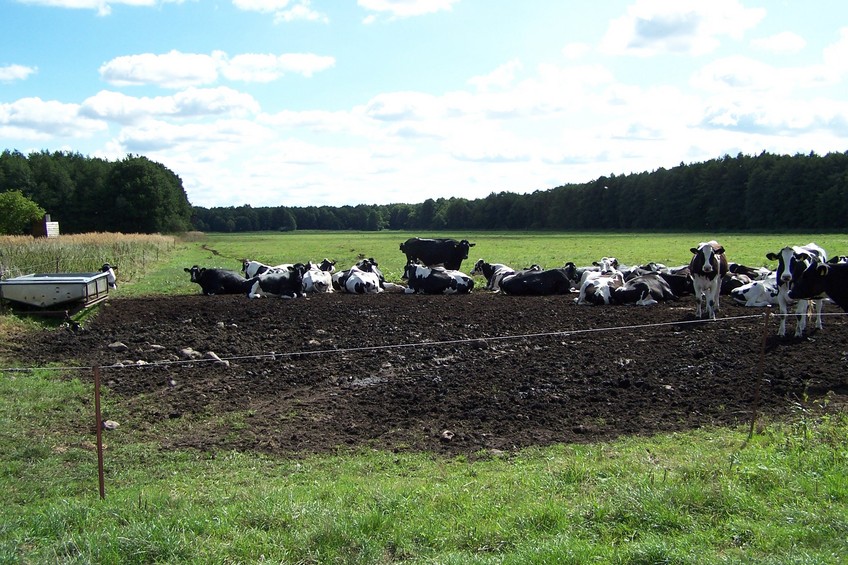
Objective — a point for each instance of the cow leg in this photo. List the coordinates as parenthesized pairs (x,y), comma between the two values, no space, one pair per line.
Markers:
(801,313)
(784,310)
(255,291)
(817,306)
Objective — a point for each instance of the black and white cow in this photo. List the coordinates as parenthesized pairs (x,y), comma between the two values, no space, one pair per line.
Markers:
(596,286)
(432,252)
(219,281)
(830,278)
(536,282)
(757,293)
(254,268)
(707,267)
(436,280)
(317,280)
(363,278)
(286,283)
(791,262)
(644,290)
(111,279)
(492,272)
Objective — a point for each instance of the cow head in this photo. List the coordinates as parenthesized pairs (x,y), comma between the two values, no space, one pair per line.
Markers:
(606,265)
(705,258)
(196,272)
(465,246)
(811,282)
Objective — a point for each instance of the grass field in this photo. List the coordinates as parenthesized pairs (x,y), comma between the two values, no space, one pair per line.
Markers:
(708,496)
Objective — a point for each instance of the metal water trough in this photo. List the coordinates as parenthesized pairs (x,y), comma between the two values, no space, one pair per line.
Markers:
(55,293)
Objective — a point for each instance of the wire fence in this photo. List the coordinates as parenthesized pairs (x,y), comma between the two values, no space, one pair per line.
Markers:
(275,356)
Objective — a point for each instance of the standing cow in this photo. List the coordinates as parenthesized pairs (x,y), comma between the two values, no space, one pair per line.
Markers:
(791,263)
(707,267)
(431,252)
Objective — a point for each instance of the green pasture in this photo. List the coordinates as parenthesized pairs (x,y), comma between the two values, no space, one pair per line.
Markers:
(711,496)
(517,249)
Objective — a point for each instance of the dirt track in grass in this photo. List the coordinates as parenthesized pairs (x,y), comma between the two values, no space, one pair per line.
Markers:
(445,374)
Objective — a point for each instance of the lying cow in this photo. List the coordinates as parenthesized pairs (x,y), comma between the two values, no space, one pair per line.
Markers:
(536,282)
(286,283)
(643,290)
(431,252)
(757,294)
(219,281)
(363,278)
(254,268)
(436,280)
(493,273)
(317,280)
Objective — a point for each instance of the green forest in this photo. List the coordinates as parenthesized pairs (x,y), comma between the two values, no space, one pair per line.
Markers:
(765,192)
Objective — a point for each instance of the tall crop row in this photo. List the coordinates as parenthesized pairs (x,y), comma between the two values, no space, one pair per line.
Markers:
(82,253)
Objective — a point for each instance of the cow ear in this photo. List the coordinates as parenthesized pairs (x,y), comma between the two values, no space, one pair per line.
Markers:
(771,256)
(822,269)
(693,249)
(719,250)
(187,270)
(471,244)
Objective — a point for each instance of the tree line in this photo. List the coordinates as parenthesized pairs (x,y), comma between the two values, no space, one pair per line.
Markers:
(765,192)
(86,194)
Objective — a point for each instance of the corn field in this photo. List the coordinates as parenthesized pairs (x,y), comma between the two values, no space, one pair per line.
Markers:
(81,253)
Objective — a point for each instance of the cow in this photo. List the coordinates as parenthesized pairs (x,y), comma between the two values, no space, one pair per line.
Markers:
(286,283)
(679,280)
(707,267)
(757,293)
(598,289)
(596,285)
(357,281)
(535,282)
(791,262)
(317,280)
(830,278)
(111,279)
(643,290)
(436,280)
(431,252)
(254,268)
(219,281)
(492,272)
(753,273)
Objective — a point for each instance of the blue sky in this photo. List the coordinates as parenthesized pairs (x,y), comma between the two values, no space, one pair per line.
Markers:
(312,102)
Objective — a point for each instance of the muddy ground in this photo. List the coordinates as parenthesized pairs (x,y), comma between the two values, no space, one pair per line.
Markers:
(445,374)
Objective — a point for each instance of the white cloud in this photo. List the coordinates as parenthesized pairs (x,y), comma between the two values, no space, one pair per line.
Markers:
(575,51)
(103,7)
(11,73)
(181,70)
(190,103)
(781,44)
(34,118)
(301,10)
(171,70)
(501,77)
(397,9)
(693,27)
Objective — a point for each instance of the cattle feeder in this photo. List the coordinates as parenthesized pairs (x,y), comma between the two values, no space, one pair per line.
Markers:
(55,293)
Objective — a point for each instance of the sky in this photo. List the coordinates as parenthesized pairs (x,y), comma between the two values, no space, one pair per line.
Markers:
(345,102)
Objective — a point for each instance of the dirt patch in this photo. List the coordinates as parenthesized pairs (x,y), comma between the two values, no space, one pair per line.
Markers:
(448,374)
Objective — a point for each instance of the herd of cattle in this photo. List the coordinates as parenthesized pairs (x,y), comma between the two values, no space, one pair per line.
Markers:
(803,278)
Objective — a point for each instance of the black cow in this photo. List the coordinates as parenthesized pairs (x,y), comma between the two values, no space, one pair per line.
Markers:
(830,278)
(219,281)
(533,282)
(285,284)
(431,252)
